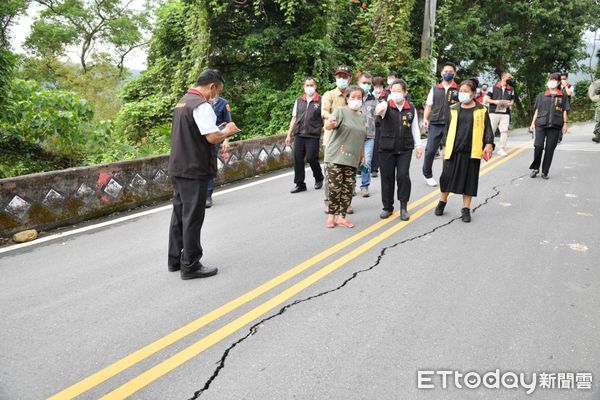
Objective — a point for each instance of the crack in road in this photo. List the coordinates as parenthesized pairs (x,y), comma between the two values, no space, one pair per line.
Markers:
(254,328)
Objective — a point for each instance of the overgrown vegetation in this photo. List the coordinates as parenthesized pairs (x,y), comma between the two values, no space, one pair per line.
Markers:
(58,114)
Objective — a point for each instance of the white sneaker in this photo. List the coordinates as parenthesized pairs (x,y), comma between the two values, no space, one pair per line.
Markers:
(431,182)
(502,153)
(364,192)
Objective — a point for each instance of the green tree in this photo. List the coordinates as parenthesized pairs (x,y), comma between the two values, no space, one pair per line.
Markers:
(86,24)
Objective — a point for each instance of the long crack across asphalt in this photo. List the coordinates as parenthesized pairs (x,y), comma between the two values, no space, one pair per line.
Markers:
(254,328)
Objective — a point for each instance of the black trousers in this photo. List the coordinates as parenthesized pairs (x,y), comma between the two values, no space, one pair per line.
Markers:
(434,138)
(549,136)
(189,201)
(394,170)
(309,148)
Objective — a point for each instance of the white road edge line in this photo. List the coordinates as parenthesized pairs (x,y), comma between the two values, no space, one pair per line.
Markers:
(133,216)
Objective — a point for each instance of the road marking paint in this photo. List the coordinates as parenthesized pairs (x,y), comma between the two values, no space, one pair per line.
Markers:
(217,336)
(158,345)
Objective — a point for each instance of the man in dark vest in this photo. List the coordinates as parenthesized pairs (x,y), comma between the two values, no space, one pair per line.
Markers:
(500,98)
(192,163)
(305,128)
(437,111)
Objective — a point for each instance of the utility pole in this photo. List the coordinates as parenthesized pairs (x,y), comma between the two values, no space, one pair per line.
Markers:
(428,30)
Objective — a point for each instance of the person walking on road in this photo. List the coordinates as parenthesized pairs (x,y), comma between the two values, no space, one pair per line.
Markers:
(368,110)
(549,119)
(381,95)
(305,130)
(594,94)
(332,100)
(500,99)
(399,135)
(192,163)
(435,116)
(343,152)
(223,112)
(468,137)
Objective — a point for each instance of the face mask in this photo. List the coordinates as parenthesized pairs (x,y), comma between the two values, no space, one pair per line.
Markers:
(377,91)
(397,97)
(448,76)
(390,81)
(309,90)
(552,84)
(510,82)
(354,104)
(366,87)
(342,83)
(464,97)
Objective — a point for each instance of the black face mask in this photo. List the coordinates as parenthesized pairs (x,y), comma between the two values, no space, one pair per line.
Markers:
(511,82)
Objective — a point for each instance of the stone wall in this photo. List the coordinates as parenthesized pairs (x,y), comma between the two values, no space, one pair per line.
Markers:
(52,199)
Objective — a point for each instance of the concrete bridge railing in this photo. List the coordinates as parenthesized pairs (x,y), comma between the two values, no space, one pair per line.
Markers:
(48,200)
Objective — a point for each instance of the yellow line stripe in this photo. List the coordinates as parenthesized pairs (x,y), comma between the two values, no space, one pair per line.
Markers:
(158,345)
(188,353)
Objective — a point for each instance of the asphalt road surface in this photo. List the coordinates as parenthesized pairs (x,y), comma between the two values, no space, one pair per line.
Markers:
(299,311)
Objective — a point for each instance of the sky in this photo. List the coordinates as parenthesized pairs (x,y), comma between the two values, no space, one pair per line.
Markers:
(136,60)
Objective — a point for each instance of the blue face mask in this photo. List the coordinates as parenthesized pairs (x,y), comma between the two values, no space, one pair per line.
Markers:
(341,83)
(366,87)
(464,97)
(448,76)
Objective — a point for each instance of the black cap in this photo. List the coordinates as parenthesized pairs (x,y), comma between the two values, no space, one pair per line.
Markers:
(343,69)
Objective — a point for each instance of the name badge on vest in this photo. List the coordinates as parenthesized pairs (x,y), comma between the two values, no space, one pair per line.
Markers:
(316,106)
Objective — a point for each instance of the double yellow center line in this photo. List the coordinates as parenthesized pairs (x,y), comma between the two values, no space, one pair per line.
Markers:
(198,347)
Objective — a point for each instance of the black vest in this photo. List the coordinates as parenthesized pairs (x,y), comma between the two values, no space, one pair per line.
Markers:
(396,130)
(550,110)
(308,118)
(192,156)
(440,110)
(509,94)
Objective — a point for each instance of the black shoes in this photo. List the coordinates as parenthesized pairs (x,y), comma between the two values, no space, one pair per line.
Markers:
(385,214)
(544,176)
(318,185)
(298,189)
(199,271)
(174,268)
(404,214)
(534,173)
(439,209)
(209,202)
(374,174)
(596,139)
(465,215)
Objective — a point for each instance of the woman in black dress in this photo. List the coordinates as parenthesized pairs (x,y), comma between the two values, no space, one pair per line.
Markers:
(468,136)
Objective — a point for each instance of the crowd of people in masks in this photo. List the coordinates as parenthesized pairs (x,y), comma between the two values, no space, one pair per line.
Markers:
(370,129)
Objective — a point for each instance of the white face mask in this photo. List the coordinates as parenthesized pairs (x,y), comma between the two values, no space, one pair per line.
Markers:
(464,97)
(377,91)
(397,97)
(309,90)
(390,81)
(552,84)
(341,83)
(354,104)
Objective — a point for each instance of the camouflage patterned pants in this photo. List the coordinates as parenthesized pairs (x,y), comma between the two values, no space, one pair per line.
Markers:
(342,179)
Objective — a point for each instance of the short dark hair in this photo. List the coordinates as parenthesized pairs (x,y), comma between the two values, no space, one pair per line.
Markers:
(555,76)
(400,82)
(449,64)
(378,81)
(470,83)
(393,73)
(565,74)
(209,76)
(310,78)
(354,88)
